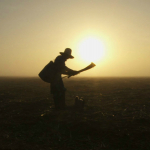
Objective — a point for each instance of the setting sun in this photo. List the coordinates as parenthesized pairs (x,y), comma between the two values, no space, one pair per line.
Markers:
(91,49)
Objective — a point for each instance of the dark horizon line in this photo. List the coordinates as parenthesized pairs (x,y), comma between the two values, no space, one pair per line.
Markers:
(80,77)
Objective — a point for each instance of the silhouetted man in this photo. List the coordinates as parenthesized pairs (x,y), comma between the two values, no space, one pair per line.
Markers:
(57,86)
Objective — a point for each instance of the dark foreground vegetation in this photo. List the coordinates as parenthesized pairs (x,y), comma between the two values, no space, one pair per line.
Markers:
(116,115)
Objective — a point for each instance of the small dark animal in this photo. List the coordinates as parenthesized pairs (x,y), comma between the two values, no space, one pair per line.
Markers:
(79,103)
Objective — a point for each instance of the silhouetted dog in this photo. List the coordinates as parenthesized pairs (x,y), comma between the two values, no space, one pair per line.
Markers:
(79,103)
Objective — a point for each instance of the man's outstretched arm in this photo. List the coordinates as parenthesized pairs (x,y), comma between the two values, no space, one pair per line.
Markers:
(68,71)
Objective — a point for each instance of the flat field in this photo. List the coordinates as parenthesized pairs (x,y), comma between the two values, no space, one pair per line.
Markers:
(116,115)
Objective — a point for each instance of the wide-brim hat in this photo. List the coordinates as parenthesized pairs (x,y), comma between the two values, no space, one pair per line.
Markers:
(67,52)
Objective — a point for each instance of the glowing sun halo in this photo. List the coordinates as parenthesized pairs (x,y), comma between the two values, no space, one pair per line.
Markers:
(91,49)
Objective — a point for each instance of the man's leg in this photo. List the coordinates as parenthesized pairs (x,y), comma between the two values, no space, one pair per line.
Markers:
(62,100)
(56,99)
(58,92)
(59,100)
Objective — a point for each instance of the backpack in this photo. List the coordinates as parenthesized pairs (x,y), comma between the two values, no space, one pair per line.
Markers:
(47,74)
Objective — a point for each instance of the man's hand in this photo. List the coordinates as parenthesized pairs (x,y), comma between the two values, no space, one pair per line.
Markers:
(73,73)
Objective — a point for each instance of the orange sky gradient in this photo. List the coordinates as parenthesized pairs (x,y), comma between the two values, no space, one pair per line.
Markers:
(33,32)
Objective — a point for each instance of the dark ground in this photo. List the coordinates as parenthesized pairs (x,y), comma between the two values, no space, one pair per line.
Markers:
(116,115)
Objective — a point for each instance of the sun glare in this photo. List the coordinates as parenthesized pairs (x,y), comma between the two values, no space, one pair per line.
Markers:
(91,49)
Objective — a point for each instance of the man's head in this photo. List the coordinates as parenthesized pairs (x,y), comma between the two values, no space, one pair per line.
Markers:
(67,53)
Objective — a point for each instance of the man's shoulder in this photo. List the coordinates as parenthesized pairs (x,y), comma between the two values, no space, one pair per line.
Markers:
(59,59)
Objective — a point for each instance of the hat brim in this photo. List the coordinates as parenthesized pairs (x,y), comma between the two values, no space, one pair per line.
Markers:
(70,56)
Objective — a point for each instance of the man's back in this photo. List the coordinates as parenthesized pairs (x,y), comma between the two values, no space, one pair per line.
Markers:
(59,63)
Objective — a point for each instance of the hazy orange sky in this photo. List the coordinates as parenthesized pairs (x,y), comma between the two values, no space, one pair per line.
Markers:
(33,32)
